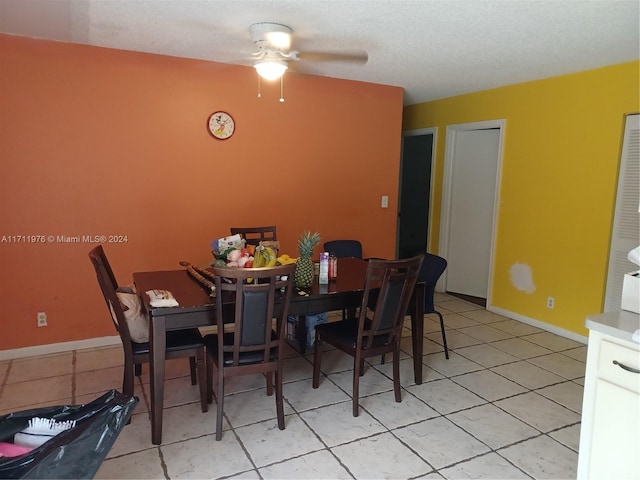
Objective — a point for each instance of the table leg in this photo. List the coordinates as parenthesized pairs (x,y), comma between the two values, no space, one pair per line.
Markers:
(417,331)
(158,347)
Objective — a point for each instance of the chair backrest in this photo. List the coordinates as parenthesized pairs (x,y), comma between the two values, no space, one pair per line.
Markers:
(256,304)
(391,284)
(344,248)
(432,269)
(255,235)
(108,286)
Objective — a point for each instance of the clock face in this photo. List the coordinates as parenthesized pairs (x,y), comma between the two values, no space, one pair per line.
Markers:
(221,125)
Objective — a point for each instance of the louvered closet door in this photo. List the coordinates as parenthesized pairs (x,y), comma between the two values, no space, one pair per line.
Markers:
(626,222)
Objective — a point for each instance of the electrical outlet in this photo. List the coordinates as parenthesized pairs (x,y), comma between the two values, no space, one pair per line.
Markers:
(550,302)
(42,319)
(385,201)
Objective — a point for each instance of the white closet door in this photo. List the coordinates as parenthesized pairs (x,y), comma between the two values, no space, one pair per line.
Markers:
(626,222)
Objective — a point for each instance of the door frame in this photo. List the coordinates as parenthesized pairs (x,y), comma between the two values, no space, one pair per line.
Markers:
(414,133)
(447,190)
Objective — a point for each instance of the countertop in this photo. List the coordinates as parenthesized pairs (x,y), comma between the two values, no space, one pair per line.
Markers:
(621,324)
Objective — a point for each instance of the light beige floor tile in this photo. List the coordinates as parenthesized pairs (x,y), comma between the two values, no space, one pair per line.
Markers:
(34,368)
(336,424)
(484,316)
(489,385)
(334,361)
(449,367)
(455,339)
(527,375)
(178,391)
(407,376)
(458,306)
(145,464)
(98,381)
(48,403)
(186,422)
(4,368)
(568,436)
(440,442)
(492,426)
(302,396)
(490,467)
(249,407)
(296,368)
(543,457)
(134,437)
(486,333)
(561,365)
(35,392)
(99,358)
(267,444)
(445,396)
(371,382)
(521,348)
(250,475)
(381,456)
(568,394)
(515,327)
(486,355)
(313,466)
(406,348)
(392,414)
(538,411)
(454,321)
(579,353)
(552,341)
(204,457)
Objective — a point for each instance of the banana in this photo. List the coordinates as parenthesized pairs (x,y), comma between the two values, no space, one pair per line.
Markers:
(269,256)
(258,258)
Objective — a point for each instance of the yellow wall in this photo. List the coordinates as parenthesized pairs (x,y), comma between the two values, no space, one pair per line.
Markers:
(559,173)
(99,142)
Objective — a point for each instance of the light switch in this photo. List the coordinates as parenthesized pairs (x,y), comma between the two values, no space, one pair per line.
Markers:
(385,201)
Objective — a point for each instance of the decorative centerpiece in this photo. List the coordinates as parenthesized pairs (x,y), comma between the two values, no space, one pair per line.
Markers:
(304,266)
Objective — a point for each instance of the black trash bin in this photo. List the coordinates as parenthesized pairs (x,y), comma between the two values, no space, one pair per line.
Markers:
(74,453)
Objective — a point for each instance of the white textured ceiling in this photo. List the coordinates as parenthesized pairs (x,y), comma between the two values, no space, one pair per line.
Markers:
(431,48)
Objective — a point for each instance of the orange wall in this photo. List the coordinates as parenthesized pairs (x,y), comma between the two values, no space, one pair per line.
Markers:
(104,142)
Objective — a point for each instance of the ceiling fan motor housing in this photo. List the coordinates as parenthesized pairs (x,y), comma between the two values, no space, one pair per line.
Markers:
(271,36)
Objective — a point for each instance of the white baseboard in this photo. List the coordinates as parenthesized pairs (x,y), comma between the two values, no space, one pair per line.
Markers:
(59,347)
(541,325)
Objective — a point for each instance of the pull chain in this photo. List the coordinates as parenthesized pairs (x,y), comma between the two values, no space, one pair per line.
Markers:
(259,94)
(282,89)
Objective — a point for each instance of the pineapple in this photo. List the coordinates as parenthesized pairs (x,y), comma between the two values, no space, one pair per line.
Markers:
(304,266)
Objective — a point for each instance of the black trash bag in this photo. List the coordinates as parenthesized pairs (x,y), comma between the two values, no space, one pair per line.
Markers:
(74,453)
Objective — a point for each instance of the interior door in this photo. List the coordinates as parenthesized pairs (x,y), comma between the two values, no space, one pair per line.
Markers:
(473,177)
(415,192)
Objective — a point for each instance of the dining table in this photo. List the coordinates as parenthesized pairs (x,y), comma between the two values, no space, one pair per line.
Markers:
(197,309)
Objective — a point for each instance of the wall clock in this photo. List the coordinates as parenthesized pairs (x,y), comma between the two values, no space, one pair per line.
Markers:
(221,125)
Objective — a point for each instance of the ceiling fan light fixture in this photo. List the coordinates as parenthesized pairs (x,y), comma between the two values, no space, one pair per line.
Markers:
(270,69)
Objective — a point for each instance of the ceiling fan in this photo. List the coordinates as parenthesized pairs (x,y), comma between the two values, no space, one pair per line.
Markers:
(274,51)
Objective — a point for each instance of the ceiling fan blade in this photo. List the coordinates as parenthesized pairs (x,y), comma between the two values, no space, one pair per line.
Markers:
(358,56)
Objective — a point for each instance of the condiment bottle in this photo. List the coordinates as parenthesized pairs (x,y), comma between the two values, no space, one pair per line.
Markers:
(323,277)
(333,266)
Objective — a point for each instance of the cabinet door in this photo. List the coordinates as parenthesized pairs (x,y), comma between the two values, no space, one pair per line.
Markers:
(615,441)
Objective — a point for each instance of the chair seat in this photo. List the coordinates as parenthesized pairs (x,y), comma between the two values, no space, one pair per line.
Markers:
(345,334)
(244,358)
(176,340)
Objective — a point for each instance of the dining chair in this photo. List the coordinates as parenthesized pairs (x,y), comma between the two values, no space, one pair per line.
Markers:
(187,343)
(255,235)
(432,269)
(377,330)
(344,248)
(251,345)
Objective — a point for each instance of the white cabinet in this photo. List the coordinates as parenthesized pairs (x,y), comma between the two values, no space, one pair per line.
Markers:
(610,429)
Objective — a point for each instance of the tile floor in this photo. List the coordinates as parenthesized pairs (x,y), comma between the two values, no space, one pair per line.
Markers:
(506,405)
